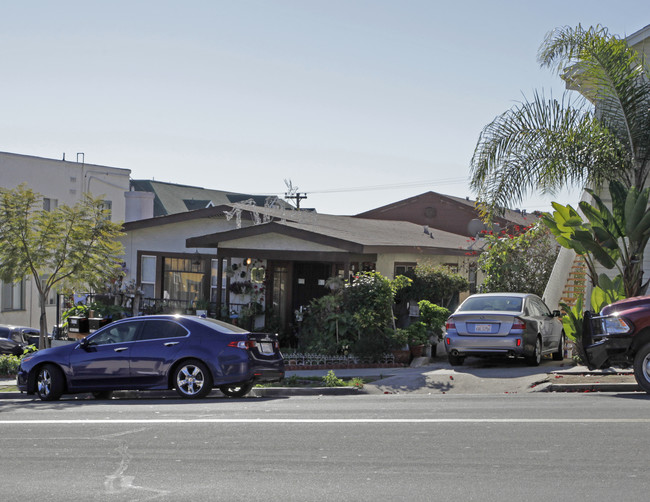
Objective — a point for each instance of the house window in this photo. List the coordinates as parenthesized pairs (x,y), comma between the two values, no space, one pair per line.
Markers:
(50,204)
(183,279)
(148,276)
(13,296)
(452,267)
(402,268)
(213,280)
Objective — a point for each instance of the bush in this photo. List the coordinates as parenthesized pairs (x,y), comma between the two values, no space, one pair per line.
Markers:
(9,365)
(521,262)
(433,316)
(326,328)
(331,380)
(436,284)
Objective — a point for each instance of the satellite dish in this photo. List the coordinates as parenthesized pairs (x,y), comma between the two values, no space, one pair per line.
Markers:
(475,226)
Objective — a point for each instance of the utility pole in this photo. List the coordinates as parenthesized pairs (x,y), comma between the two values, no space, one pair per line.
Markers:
(298,196)
(293,193)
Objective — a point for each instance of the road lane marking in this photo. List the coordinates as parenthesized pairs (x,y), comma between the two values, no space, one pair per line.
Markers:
(331,421)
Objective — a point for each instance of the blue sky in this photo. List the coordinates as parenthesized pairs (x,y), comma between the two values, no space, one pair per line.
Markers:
(343,97)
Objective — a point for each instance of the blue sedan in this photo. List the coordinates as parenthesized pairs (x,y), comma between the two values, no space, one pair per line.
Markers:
(190,354)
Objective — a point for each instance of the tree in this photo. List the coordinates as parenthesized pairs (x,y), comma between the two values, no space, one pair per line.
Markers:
(72,246)
(615,238)
(437,284)
(544,145)
(520,262)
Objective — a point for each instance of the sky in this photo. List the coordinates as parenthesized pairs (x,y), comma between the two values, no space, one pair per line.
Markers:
(359,103)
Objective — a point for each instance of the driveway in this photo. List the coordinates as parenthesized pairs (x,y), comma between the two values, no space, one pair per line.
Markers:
(476,376)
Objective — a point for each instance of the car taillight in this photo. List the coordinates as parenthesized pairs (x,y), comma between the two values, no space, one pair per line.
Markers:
(242,344)
(450,325)
(518,324)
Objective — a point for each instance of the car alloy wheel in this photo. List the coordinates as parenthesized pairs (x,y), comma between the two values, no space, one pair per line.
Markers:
(49,383)
(192,380)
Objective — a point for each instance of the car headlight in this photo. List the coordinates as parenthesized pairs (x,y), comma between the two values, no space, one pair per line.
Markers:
(615,326)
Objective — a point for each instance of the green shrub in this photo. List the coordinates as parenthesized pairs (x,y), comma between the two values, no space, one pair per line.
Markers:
(9,365)
(433,316)
(331,380)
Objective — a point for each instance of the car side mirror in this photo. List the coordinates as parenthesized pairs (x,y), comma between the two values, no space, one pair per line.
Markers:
(84,343)
(557,313)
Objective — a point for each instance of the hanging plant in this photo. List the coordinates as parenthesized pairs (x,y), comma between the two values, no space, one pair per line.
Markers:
(240,287)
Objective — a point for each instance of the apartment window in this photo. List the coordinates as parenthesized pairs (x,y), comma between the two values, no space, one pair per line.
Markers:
(107,206)
(13,296)
(50,204)
(51,297)
(148,276)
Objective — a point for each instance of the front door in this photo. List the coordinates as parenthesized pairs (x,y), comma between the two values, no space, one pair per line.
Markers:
(309,282)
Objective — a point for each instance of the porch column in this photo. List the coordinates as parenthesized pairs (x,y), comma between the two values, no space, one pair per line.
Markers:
(219,279)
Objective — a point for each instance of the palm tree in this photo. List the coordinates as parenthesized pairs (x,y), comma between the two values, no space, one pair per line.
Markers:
(543,145)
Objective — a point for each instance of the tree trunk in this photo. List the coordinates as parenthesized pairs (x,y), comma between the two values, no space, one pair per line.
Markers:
(43,340)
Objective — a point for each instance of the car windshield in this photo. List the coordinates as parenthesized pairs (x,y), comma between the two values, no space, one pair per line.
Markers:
(492,303)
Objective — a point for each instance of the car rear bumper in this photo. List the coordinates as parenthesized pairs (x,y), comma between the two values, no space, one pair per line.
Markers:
(484,345)
(266,370)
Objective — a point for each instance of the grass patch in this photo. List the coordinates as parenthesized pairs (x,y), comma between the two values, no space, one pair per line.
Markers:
(329,380)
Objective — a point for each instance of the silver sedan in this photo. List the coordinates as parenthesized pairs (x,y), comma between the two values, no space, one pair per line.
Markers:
(505,325)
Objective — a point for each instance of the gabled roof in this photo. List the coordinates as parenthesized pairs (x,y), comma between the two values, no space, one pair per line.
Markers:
(410,210)
(353,234)
(172,198)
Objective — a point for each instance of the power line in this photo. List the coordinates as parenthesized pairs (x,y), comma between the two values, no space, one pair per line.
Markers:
(391,186)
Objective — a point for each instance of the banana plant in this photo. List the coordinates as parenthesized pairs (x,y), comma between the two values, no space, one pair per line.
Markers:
(615,238)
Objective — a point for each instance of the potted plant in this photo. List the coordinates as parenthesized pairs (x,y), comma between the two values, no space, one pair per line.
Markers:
(76,318)
(399,342)
(417,338)
(434,318)
(202,307)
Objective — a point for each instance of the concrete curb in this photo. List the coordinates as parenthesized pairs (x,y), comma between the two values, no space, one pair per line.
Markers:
(171,394)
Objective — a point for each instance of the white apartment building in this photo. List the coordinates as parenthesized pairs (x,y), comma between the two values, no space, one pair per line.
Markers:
(59,182)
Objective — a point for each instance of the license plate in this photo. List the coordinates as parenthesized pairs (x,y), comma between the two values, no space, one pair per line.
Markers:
(266,348)
(483,328)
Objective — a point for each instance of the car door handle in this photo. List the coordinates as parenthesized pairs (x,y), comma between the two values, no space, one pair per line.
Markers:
(169,344)
(120,349)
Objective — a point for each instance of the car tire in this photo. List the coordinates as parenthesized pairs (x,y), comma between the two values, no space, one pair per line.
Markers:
(236,390)
(559,355)
(49,383)
(642,367)
(456,360)
(103,395)
(192,380)
(536,357)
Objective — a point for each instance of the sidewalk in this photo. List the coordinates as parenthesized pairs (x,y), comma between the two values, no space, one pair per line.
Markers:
(437,377)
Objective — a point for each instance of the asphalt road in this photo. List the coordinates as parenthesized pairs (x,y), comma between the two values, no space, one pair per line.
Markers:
(368,447)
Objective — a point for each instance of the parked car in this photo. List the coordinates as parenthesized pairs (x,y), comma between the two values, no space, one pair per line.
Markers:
(14,339)
(188,353)
(620,336)
(504,325)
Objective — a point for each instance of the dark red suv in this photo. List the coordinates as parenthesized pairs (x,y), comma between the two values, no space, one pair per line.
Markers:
(620,336)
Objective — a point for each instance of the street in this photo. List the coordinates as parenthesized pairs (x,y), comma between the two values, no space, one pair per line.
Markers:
(367,447)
